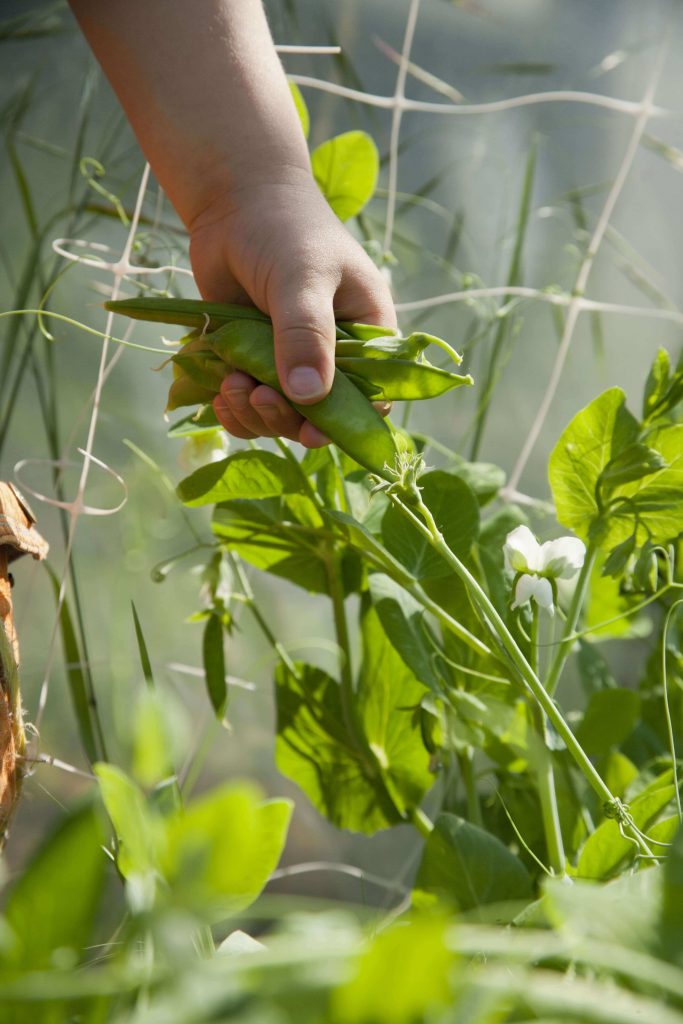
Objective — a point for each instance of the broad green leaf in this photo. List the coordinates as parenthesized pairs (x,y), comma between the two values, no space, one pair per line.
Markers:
(346,169)
(597,434)
(464,866)
(609,719)
(632,463)
(301,108)
(138,829)
(314,748)
(593,667)
(270,535)
(378,993)
(51,908)
(663,390)
(244,475)
(483,478)
(403,621)
(671,920)
(213,655)
(388,691)
(360,774)
(363,541)
(606,848)
(618,772)
(221,850)
(657,499)
(456,512)
(606,604)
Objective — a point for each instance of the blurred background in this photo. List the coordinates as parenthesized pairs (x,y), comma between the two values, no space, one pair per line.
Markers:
(485,199)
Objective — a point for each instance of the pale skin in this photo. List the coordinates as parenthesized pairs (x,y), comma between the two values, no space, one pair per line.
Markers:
(207,97)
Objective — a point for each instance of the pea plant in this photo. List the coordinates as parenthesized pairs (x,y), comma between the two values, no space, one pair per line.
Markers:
(471,699)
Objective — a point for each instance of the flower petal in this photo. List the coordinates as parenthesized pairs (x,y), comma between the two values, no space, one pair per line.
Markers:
(543,593)
(562,558)
(524,590)
(522,551)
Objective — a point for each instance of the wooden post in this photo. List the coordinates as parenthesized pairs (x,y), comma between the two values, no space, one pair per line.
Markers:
(18,536)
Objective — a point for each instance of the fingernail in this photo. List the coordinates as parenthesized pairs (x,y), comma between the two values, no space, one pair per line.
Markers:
(305,383)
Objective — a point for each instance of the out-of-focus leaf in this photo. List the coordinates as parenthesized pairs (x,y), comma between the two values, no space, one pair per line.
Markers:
(378,993)
(221,850)
(609,719)
(51,908)
(346,169)
(137,828)
(464,866)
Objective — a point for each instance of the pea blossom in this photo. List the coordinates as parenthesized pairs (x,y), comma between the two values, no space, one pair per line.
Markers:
(537,566)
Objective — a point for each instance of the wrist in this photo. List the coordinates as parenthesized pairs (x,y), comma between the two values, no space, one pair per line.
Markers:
(226,193)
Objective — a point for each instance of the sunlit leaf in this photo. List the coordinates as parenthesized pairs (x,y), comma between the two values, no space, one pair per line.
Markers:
(346,169)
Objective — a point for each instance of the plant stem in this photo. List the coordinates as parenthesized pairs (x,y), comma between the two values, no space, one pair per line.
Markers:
(568,639)
(502,636)
(253,607)
(545,775)
(333,565)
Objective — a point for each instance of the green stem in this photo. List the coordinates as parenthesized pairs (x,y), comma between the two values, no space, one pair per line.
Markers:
(253,607)
(567,642)
(421,822)
(342,632)
(545,775)
(502,636)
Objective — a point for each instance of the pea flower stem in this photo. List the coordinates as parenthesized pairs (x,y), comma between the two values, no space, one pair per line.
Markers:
(523,671)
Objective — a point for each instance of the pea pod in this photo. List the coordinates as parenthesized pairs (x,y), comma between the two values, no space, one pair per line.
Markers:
(204,316)
(344,415)
(396,380)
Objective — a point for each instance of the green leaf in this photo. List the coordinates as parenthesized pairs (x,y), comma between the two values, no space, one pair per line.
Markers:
(483,478)
(464,866)
(222,849)
(270,535)
(51,908)
(671,920)
(142,648)
(213,654)
(388,691)
(596,435)
(137,827)
(633,463)
(663,390)
(606,848)
(456,511)
(655,501)
(606,603)
(363,773)
(403,621)
(244,475)
(152,740)
(609,719)
(346,169)
(378,993)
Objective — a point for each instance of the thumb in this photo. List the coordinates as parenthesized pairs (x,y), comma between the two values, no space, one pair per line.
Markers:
(304,328)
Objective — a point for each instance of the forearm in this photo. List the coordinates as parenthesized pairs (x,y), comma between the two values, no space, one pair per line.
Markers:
(204,90)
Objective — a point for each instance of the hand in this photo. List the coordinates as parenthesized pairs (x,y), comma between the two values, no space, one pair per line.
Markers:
(280,247)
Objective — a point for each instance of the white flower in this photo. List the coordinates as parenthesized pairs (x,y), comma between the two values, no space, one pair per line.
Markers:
(536,565)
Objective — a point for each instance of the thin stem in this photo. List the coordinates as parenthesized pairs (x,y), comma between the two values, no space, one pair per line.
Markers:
(530,681)
(253,607)
(568,640)
(342,633)
(545,776)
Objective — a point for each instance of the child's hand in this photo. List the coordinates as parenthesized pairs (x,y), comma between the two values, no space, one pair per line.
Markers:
(279,246)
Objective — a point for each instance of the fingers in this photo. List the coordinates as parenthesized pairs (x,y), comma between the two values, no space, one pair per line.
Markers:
(304,327)
(364,297)
(248,409)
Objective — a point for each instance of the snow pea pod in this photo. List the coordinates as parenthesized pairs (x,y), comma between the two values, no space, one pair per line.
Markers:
(205,316)
(344,415)
(395,380)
